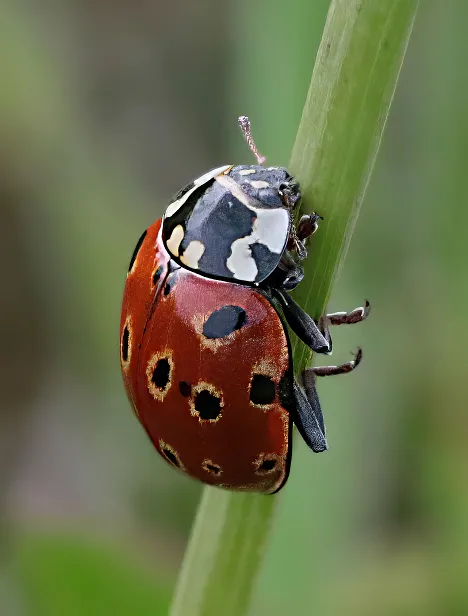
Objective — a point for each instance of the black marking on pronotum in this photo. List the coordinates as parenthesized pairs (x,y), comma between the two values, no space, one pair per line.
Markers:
(185,389)
(125,342)
(207,405)
(275,177)
(262,389)
(182,212)
(157,275)
(182,192)
(137,249)
(216,219)
(161,373)
(224,321)
(265,259)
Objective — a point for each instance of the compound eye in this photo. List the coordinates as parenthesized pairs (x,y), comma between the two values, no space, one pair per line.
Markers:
(289,194)
(282,187)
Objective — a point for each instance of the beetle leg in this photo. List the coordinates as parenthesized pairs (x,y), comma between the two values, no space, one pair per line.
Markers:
(307,225)
(346,318)
(292,278)
(308,419)
(291,272)
(310,374)
(342,318)
(302,324)
(317,337)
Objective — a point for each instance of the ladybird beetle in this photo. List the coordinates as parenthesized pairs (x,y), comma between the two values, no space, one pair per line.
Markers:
(204,346)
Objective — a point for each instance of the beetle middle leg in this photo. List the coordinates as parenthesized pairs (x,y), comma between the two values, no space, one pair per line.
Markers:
(310,374)
(308,416)
(341,318)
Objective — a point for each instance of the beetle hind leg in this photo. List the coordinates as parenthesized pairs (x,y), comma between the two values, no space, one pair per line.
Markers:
(310,374)
(308,418)
(308,413)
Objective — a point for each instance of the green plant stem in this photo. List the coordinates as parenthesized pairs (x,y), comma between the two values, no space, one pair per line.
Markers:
(352,87)
(351,90)
(224,553)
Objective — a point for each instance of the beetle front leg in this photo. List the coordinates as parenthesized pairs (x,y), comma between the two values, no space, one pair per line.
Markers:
(302,324)
(307,226)
(316,337)
(348,318)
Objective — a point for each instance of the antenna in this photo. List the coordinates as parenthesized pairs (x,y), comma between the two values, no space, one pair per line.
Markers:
(244,124)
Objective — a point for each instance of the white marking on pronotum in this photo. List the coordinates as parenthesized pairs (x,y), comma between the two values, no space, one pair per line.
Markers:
(259,184)
(235,190)
(192,254)
(173,243)
(240,262)
(270,229)
(176,205)
(247,171)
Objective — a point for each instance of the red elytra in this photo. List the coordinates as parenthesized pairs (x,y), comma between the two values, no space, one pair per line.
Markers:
(192,394)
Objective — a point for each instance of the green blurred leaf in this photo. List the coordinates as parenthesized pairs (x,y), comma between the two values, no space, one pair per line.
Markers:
(66,575)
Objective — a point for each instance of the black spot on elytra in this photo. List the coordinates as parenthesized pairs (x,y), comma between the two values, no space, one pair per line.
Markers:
(213,468)
(170,455)
(224,321)
(161,373)
(267,465)
(157,275)
(185,389)
(125,341)
(137,249)
(207,405)
(262,390)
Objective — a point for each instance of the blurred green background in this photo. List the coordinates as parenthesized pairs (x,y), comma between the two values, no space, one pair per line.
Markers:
(106,110)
